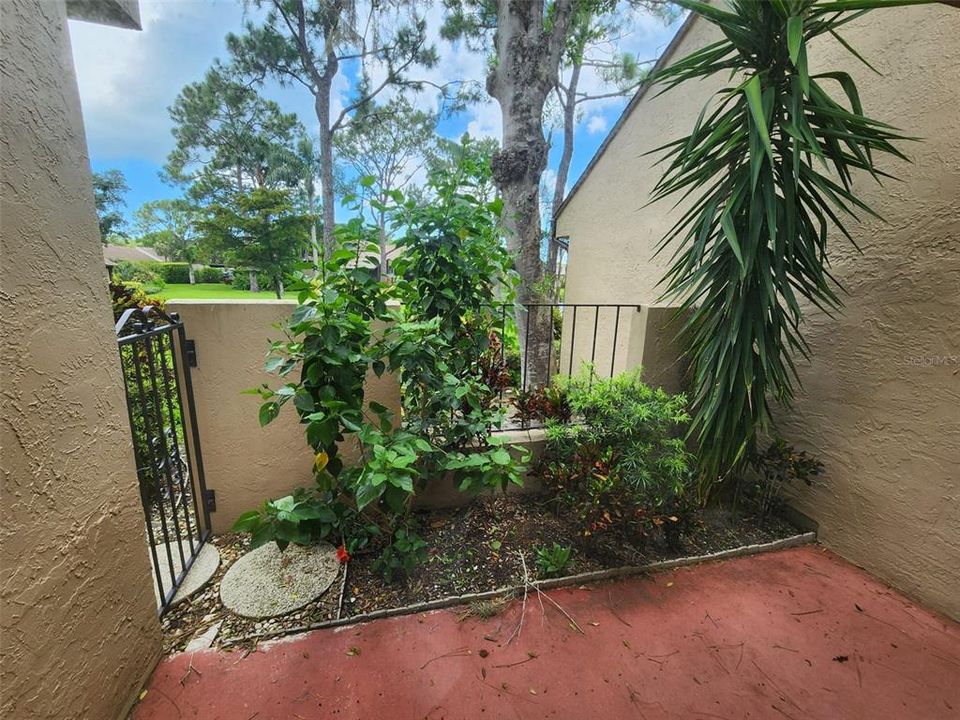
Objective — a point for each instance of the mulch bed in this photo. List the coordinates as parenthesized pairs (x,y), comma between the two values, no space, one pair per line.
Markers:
(472,549)
(476,548)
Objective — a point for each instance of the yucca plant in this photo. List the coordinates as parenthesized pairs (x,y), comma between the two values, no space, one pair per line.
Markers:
(768,167)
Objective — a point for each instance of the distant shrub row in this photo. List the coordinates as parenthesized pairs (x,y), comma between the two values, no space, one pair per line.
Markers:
(152,273)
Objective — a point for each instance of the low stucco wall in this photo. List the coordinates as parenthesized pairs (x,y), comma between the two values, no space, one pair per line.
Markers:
(881,398)
(626,337)
(78,624)
(244,463)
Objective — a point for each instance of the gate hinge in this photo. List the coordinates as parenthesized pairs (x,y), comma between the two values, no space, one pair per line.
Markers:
(191,353)
(210,500)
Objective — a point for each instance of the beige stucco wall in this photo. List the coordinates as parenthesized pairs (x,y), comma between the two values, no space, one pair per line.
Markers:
(78,624)
(881,399)
(244,463)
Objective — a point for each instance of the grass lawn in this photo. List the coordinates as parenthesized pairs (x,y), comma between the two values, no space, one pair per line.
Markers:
(211,291)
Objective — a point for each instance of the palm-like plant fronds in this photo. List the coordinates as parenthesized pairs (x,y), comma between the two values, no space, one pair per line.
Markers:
(768,166)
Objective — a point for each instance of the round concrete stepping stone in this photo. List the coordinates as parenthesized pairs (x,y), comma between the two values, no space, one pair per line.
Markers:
(203,568)
(267,582)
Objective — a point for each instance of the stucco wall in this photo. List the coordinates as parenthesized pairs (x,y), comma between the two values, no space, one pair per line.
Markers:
(881,399)
(78,625)
(244,463)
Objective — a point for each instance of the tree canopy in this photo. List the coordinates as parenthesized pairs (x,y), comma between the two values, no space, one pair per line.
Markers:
(258,229)
(109,191)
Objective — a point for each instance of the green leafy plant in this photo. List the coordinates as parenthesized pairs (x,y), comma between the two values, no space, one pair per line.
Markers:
(769,167)
(342,329)
(547,402)
(774,469)
(144,274)
(553,559)
(403,555)
(624,467)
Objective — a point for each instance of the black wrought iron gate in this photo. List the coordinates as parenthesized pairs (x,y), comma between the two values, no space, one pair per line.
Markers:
(166,443)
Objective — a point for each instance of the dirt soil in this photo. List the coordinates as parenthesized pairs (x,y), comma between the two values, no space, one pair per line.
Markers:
(476,548)
(471,549)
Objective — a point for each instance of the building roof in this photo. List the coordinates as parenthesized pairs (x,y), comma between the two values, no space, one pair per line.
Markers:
(112,254)
(628,110)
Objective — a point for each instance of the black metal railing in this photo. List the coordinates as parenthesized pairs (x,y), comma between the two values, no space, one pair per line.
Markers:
(579,335)
(166,443)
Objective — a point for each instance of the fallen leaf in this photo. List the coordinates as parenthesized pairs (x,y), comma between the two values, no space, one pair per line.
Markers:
(532,691)
(483,652)
(353,651)
(670,584)
(143,694)
(841,658)
(595,624)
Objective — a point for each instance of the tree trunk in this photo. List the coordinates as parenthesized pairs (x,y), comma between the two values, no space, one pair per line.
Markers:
(254,285)
(563,172)
(322,106)
(190,273)
(528,57)
(382,227)
(278,286)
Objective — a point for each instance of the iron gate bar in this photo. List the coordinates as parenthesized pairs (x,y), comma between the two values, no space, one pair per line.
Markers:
(176,435)
(139,460)
(162,357)
(524,342)
(573,338)
(152,449)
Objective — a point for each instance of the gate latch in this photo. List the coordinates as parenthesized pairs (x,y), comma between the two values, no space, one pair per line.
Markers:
(191,353)
(210,500)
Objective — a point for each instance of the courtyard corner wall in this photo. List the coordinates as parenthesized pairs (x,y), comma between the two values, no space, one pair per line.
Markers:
(881,397)
(245,464)
(78,625)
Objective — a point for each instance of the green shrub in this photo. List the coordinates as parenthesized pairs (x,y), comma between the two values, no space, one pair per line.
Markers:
(452,260)
(552,560)
(177,273)
(780,465)
(143,272)
(241,280)
(623,464)
(208,275)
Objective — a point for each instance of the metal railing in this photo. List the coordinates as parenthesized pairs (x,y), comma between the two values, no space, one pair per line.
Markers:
(580,334)
(167,453)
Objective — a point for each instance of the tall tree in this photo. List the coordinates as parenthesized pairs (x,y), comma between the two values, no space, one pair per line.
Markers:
(527,44)
(591,47)
(527,41)
(306,41)
(169,226)
(385,148)
(109,189)
(230,139)
(259,229)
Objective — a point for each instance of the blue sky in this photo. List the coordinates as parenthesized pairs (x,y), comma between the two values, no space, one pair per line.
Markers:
(128,79)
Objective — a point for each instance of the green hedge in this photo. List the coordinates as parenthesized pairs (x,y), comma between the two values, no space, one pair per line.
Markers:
(208,275)
(241,280)
(174,272)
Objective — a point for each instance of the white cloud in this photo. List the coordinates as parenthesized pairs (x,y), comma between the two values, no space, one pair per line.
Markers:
(597,124)
(127,79)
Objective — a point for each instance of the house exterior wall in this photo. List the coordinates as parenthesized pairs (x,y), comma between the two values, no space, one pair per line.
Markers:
(244,463)
(881,396)
(78,623)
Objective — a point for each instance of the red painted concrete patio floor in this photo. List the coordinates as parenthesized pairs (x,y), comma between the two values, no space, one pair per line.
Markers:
(789,635)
